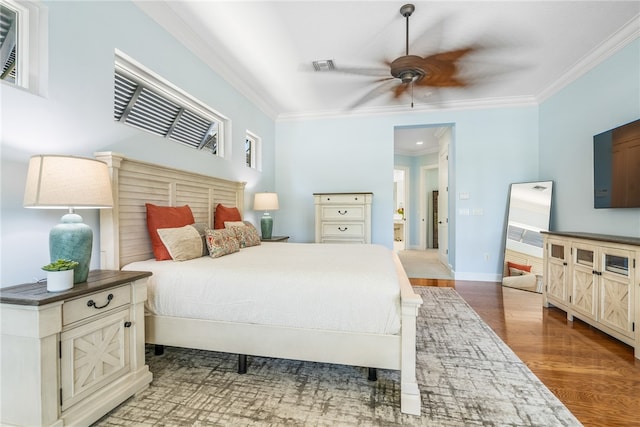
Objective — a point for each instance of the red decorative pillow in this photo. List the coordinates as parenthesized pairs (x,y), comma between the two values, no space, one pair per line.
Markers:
(522,267)
(224,214)
(165,217)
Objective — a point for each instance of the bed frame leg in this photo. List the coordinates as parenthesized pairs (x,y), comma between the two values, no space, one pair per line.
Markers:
(372,374)
(159,350)
(242,363)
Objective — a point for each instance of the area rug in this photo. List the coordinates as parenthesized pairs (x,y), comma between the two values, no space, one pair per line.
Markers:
(466,374)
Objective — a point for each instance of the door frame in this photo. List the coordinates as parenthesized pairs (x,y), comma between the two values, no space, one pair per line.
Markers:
(407,201)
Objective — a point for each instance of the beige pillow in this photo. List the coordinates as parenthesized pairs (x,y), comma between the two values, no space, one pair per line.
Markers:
(184,243)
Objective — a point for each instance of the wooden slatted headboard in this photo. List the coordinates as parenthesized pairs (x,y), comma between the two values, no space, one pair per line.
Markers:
(123,229)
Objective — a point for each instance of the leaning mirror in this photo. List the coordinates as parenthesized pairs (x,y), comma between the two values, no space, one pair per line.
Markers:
(529,212)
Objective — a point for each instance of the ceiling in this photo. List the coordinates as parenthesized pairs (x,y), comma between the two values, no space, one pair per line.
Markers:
(526,50)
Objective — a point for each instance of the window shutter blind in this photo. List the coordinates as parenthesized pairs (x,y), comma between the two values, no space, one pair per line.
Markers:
(144,108)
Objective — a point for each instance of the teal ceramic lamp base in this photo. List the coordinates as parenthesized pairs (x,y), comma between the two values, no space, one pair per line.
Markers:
(266,225)
(73,240)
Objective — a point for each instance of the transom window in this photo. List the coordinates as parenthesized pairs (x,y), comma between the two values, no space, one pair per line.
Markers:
(144,100)
(8,42)
(23,44)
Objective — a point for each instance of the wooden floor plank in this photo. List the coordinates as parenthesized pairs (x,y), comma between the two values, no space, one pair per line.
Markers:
(593,374)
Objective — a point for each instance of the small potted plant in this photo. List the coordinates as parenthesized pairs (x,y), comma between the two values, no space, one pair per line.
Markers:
(60,275)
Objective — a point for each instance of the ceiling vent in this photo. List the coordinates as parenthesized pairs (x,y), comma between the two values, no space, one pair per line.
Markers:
(324,65)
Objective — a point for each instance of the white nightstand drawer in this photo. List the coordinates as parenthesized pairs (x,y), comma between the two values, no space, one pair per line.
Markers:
(342,199)
(343,213)
(343,229)
(93,304)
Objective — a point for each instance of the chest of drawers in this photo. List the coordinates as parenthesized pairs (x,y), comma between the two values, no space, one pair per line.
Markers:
(343,217)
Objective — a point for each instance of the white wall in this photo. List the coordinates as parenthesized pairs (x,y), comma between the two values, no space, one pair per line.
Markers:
(606,97)
(76,117)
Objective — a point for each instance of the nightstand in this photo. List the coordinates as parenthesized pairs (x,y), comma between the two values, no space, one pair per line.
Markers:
(282,239)
(70,357)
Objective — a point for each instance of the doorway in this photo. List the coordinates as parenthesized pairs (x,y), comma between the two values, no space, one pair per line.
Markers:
(423,152)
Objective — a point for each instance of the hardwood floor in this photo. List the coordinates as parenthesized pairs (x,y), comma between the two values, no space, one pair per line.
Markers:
(594,375)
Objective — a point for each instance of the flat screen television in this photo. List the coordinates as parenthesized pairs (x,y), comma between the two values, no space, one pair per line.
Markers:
(616,167)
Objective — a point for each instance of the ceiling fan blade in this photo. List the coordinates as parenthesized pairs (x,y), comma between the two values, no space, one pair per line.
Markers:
(362,71)
(450,56)
(379,89)
(401,89)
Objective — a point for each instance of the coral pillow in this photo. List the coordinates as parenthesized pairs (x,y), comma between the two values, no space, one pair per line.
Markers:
(522,267)
(165,217)
(224,214)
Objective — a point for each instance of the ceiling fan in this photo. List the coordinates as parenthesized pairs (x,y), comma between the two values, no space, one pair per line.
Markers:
(438,70)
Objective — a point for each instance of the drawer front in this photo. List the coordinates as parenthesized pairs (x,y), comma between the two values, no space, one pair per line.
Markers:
(342,199)
(343,230)
(343,213)
(338,240)
(94,304)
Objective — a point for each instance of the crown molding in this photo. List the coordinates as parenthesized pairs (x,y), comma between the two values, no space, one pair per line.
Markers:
(472,104)
(621,38)
(162,13)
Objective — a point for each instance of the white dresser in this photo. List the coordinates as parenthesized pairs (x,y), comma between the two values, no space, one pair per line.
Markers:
(343,217)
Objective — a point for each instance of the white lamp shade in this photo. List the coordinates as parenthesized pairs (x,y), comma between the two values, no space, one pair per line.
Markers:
(58,182)
(265,202)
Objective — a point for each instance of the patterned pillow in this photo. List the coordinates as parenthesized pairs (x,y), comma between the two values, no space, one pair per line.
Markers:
(185,243)
(245,232)
(221,242)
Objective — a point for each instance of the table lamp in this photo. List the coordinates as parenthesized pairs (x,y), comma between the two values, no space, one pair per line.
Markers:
(266,202)
(67,182)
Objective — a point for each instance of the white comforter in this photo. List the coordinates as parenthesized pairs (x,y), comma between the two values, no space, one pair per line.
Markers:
(335,287)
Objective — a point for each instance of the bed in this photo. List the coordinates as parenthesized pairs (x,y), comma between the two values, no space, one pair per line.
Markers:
(388,342)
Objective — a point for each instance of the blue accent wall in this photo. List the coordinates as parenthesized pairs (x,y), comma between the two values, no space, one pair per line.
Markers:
(605,97)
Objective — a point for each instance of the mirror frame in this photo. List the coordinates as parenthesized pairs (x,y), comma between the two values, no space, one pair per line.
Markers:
(529,213)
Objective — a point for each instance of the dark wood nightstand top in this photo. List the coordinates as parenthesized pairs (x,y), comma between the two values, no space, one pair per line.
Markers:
(37,294)
(275,239)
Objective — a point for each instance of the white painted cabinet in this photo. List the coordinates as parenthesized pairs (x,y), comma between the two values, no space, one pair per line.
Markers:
(343,217)
(70,357)
(594,278)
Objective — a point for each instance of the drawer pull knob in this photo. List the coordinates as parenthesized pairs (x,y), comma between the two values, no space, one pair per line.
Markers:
(342,212)
(127,324)
(342,229)
(91,303)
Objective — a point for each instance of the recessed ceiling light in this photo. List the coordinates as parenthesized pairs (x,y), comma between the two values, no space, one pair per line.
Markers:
(323,65)
(419,143)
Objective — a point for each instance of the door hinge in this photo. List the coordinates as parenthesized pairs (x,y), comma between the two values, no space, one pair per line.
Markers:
(633,326)
(60,396)
(59,349)
(569,298)
(634,263)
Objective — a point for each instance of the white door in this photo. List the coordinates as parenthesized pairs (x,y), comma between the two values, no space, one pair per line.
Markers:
(443,203)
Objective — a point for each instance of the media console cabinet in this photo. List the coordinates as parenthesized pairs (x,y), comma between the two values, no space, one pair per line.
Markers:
(595,278)
(70,357)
